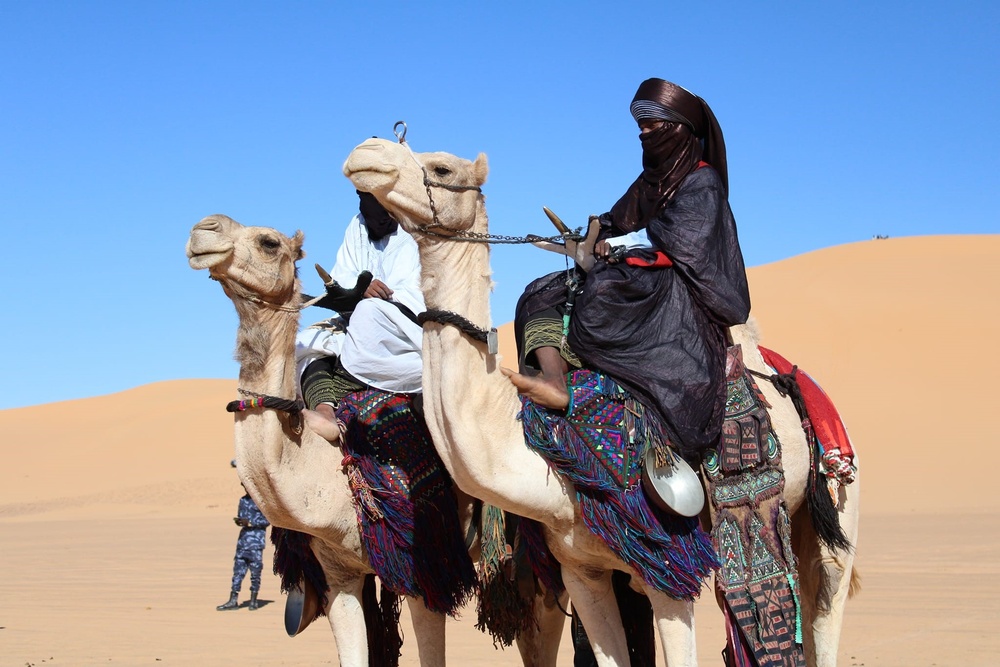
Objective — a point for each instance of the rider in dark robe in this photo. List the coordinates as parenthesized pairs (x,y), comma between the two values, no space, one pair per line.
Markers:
(670,279)
(653,311)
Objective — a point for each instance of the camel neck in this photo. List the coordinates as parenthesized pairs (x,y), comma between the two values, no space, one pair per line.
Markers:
(469,405)
(463,288)
(265,349)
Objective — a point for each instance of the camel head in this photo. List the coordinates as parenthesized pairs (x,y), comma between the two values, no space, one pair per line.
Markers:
(396,176)
(254,260)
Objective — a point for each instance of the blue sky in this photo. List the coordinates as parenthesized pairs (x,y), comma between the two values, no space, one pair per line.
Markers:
(124,123)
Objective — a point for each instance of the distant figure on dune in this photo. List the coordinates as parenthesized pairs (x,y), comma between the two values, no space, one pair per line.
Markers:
(249,551)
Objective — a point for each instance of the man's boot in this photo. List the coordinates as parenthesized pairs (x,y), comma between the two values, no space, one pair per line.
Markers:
(253,601)
(231,604)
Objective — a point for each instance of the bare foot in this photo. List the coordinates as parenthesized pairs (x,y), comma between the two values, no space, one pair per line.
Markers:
(549,393)
(323,421)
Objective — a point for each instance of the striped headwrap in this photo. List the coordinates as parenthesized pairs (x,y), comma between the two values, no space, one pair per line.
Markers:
(690,135)
(649,110)
(662,100)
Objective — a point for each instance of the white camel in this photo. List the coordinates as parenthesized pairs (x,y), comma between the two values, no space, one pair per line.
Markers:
(470,407)
(294,475)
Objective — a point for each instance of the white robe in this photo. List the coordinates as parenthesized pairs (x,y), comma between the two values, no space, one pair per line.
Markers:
(382,346)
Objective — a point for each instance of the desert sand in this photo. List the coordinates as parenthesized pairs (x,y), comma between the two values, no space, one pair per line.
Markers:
(115,511)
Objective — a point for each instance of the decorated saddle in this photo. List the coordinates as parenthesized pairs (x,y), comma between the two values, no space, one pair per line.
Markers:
(752,531)
(599,444)
(406,506)
(407,513)
(408,519)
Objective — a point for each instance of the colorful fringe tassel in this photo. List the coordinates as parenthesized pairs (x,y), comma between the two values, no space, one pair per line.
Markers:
(408,515)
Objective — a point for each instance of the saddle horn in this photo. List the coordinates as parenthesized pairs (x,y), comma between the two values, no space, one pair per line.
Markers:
(581,252)
(326,277)
(560,225)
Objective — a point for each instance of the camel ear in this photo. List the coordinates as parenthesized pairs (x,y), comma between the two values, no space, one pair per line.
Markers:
(480,168)
(297,241)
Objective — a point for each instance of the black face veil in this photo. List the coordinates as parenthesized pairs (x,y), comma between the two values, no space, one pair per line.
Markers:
(690,134)
(377,219)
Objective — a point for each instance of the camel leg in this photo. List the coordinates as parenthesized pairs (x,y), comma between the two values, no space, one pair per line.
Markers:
(347,620)
(675,624)
(594,601)
(827,624)
(539,646)
(827,580)
(428,628)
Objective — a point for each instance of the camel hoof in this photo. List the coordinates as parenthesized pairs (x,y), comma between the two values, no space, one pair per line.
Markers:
(325,428)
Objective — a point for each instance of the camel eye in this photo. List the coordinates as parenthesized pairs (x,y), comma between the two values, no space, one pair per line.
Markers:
(442,171)
(269,243)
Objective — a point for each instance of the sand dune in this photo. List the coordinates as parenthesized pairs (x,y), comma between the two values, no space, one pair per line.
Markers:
(898,332)
(117,541)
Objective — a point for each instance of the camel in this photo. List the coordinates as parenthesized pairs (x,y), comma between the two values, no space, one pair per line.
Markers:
(471,408)
(293,474)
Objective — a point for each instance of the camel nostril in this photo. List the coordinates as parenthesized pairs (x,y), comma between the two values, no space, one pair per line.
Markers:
(210,224)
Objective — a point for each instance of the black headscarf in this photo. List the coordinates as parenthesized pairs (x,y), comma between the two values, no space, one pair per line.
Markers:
(377,219)
(669,153)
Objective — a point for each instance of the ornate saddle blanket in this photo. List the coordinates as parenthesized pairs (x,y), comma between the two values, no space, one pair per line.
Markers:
(752,531)
(406,506)
(598,444)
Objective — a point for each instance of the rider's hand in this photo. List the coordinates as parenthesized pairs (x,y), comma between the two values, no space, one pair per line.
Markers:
(378,290)
(612,254)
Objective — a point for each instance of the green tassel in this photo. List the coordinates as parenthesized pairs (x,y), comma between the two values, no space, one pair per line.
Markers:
(798,608)
(501,610)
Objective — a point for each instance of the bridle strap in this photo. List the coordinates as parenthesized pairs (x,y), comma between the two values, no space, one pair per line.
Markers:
(292,407)
(454,319)
(245,294)
(447,186)
(447,317)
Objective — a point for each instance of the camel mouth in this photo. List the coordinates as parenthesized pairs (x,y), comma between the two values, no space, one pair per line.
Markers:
(361,170)
(206,247)
(376,180)
(207,260)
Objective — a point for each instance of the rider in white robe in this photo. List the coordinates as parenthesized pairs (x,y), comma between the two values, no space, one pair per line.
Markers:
(381,345)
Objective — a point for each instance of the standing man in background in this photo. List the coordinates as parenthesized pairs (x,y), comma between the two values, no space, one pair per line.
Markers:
(249,551)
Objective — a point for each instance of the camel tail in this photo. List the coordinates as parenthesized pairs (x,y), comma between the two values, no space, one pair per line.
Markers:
(855,587)
(822,511)
(825,519)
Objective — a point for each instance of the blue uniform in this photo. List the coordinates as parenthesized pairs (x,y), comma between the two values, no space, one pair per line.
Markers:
(250,545)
